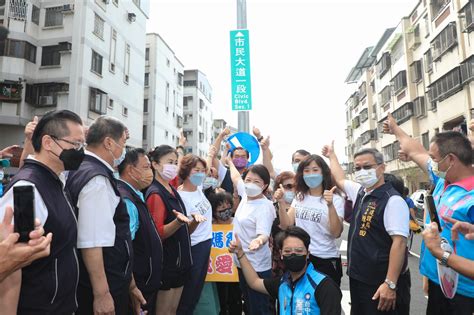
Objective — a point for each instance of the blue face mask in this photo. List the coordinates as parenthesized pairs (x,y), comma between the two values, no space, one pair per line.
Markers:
(197,178)
(295,166)
(313,180)
(288,196)
(210,182)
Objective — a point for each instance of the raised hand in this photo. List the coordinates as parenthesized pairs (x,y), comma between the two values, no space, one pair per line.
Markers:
(256,132)
(30,128)
(329,195)
(182,139)
(328,150)
(279,193)
(389,124)
(265,144)
(235,244)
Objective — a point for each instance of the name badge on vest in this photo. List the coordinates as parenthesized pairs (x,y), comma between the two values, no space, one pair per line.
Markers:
(447,277)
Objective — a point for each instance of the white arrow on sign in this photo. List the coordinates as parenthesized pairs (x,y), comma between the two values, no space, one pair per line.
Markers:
(239,34)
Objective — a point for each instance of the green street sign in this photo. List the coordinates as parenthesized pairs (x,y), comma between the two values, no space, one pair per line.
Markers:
(240,70)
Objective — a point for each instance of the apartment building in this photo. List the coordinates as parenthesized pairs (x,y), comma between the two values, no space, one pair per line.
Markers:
(86,56)
(421,74)
(217,126)
(197,111)
(163,102)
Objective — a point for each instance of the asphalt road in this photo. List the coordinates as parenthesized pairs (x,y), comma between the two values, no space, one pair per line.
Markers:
(418,299)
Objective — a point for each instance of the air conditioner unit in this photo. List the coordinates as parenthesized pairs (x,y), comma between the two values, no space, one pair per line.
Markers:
(68,8)
(46,100)
(65,46)
(132,17)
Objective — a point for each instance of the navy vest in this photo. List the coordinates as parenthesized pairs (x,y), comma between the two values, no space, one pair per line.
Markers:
(49,284)
(147,247)
(177,247)
(118,260)
(369,243)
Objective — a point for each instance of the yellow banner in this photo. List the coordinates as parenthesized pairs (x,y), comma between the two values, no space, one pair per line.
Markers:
(221,263)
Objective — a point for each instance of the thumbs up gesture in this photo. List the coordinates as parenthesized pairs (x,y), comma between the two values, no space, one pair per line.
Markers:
(389,124)
(328,150)
(278,195)
(329,195)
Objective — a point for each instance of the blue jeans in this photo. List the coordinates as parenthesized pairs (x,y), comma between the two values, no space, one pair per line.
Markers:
(197,274)
(256,302)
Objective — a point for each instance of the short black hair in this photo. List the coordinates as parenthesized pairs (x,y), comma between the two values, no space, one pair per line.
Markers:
(294,231)
(396,181)
(53,123)
(161,151)
(262,172)
(456,143)
(218,198)
(300,152)
(240,148)
(406,191)
(378,157)
(105,126)
(131,158)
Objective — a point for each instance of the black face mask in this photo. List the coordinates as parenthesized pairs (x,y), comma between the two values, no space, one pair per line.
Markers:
(294,262)
(72,158)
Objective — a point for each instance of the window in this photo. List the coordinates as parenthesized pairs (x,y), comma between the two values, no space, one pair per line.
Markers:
(419,106)
(414,37)
(35,15)
(147,54)
(126,68)
(468,12)
(145,105)
(124,111)
(113,49)
(427,25)
(445,40)
(18,49)
(166,134)
(144,132)
(97,101)
(383,64)
(185,102)
(51,56)
(367,136)
(147,79)
(167,96)
(44,94)
(201,137)
(200,120)
(467,70)
(416,71)
(168,62)
(364,115)
(399,82)
(111,104)
(363,90)
(18,9)
(385,95)
(428,61)
(437,6)
(356,122)
(96,63)
(449,84)
(98,26)
(190,83)
(54,16)
(180,79)
(404,113)
(390,152)
(425,140)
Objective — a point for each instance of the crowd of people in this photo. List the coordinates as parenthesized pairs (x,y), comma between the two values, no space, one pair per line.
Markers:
(120,230)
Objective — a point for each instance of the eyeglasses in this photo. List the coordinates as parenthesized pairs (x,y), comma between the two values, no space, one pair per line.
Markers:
(365,167)
(288,186)
(78,146)
(294,250)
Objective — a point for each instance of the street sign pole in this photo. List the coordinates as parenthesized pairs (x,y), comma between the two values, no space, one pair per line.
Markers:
(243,116)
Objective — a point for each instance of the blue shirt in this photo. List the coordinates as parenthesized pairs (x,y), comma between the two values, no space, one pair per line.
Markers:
(410,203)
(455,200)
(133,211)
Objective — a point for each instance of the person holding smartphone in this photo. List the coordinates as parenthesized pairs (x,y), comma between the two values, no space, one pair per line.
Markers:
(49,284)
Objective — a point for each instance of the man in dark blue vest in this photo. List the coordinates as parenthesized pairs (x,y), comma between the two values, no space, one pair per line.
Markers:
(378,234)
(48,285)
(135,176)
(106,255)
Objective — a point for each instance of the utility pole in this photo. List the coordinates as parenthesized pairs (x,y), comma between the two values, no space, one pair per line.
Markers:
(243,116)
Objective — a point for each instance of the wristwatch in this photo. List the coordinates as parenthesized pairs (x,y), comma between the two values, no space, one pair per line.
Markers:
(444,259)
(391,285)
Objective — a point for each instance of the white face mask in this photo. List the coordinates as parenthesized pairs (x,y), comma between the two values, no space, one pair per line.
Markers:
(436,171)
(252,190)
(367,178)
(295,166)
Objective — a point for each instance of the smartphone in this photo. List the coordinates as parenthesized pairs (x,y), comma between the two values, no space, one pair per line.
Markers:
(430,204)
(24,211)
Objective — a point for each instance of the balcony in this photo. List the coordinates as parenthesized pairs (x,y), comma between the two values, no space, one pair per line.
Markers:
(467,70)
(414,40)
(404,113)
(368,136)
(419,106)
(444,42)
(399,82)
(446,86)
(179,121)
(10,92)
(44,95)
(383,65)
(356,122)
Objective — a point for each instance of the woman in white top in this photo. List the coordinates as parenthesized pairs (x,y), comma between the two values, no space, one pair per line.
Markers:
(252,224)
(319,212)
(192,170)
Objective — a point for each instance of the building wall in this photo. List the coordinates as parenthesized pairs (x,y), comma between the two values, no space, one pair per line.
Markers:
(121,99)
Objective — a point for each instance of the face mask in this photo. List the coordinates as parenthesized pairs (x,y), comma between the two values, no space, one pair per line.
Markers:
(294,262)
(116,175)
(197,178)
(313,180)
(288,196)
(295,166)
(169,172)
(436,171)
(252,190)
(71,159)
(210,182)
(145,180)
(2,175)
(367,178)
(120,159)
(224,215)
(240,163)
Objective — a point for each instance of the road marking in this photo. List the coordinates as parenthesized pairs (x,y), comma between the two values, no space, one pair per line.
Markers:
(415,254)
(345,302)
(343,247)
